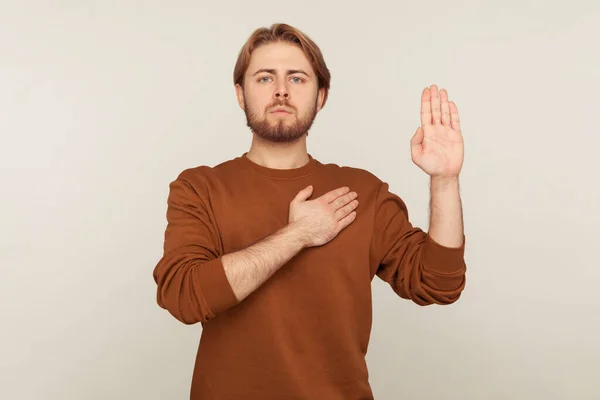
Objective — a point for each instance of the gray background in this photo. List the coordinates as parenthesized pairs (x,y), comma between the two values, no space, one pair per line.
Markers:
(103,103)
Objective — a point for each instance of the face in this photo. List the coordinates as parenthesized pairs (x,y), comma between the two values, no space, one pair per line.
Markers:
(280,96)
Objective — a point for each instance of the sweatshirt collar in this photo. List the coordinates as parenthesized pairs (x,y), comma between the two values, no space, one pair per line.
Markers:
(298,172)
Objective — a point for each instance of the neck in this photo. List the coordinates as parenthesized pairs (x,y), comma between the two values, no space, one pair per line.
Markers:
(279,155)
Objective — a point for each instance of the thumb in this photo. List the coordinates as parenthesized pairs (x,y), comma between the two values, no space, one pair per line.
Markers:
(304,193)
(416,143)
(417,138)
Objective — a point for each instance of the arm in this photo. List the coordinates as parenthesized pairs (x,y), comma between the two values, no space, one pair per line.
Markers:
(195,280)
(427,267)
(437,148)
(248,269)
(410,260)
(446,220)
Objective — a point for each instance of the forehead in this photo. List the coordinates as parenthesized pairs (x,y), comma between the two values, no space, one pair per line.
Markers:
(279,56)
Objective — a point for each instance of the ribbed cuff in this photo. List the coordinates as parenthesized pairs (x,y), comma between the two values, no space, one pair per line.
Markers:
(442,259)
(215,287)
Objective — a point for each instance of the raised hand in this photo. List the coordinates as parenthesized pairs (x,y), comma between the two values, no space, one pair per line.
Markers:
(437,145)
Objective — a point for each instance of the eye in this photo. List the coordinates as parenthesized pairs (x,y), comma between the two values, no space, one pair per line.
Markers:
(262,80)
(297,79)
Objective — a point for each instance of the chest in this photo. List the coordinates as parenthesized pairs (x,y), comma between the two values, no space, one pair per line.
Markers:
(245,216)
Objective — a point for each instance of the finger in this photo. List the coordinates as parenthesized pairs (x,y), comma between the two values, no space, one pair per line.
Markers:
(347,220)
(426,107)
(344,211)
(304,193)
(454,119)
(343,200)
(445,107)
(334,194)
(435,106)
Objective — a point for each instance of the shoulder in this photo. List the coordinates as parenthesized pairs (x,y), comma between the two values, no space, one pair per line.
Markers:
(203,173)
(194,177)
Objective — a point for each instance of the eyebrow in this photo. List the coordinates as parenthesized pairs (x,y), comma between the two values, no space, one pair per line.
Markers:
(289,71)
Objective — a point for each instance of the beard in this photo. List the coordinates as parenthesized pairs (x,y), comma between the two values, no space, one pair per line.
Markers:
(280,131)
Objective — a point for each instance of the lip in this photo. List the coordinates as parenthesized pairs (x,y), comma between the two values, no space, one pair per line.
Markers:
(280,111)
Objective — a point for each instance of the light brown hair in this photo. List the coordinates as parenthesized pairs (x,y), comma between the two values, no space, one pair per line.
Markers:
(283,33)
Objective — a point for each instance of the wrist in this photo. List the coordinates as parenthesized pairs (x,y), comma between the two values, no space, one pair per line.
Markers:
(296,234)
(444,182)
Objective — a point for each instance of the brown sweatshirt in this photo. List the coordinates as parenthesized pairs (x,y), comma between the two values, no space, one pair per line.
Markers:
(304,333)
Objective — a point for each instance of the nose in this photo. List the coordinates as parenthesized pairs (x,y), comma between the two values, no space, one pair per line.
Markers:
(281,92)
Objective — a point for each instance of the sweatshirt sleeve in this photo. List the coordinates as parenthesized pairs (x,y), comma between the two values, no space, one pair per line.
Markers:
(191,281)
(409,260)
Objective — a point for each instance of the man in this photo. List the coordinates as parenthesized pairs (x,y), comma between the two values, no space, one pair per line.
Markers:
(272,253)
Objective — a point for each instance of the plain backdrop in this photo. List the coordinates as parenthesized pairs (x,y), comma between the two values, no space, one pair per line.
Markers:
(103,103)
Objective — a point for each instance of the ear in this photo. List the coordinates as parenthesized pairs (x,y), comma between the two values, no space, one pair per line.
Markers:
(239,92)
(320,99)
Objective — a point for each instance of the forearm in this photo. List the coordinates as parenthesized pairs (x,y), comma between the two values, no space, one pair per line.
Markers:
(446,219)
(249,268)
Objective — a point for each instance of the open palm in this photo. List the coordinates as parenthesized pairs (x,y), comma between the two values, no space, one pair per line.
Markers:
(437,146)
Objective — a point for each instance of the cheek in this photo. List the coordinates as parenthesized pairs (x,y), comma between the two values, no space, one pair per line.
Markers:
(257,98)
(308,105)
(256,105)
(306,98)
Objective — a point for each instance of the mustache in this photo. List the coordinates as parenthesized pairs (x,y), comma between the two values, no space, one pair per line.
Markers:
(280,103)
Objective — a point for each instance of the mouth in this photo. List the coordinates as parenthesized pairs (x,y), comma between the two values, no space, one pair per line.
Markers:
(281,111)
